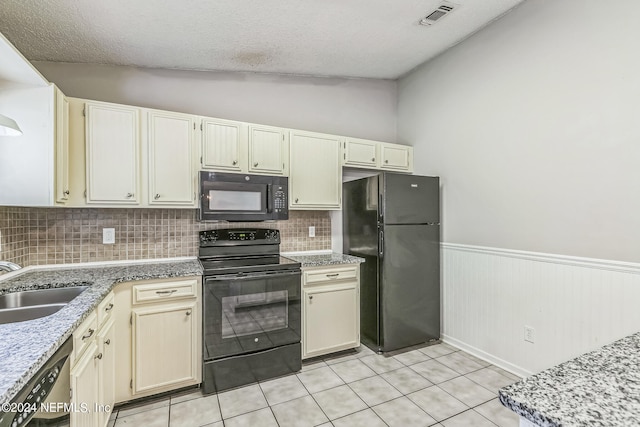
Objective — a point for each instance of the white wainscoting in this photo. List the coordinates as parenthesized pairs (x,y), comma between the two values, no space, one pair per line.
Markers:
(574,304)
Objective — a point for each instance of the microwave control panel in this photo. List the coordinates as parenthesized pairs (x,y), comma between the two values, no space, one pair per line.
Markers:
(280,203)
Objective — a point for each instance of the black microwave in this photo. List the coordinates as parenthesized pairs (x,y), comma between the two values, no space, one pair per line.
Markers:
(239,197)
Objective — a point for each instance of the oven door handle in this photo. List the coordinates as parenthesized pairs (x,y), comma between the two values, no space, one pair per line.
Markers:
(234,277)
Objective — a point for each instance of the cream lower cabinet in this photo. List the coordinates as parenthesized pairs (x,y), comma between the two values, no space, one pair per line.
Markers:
(163,346)
(158,329)
(315,178)
(93,368)
(331,309)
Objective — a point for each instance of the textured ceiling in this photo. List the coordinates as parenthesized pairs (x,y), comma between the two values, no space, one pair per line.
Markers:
(347,38)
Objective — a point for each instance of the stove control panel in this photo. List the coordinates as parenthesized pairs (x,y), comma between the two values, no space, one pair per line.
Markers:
(232,237)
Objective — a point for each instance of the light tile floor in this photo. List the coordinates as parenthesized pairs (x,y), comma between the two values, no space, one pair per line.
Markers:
(421,386)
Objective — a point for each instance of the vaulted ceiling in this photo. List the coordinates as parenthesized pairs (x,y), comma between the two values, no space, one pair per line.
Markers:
(346,38)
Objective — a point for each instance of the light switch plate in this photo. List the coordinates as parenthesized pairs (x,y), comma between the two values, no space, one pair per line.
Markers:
(108,236)
(312,231)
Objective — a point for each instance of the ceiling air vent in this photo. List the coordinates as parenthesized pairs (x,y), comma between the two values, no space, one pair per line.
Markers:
(442,10)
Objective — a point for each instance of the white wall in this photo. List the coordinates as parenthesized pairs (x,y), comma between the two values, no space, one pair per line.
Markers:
(533,125)
(26,161)
(363,108)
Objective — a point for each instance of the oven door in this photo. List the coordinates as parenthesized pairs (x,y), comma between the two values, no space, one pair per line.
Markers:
(249,313)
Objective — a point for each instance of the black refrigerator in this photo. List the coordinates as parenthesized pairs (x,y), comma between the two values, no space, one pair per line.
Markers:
(393,221)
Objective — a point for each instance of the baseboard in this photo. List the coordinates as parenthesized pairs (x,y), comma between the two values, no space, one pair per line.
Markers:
(500,363)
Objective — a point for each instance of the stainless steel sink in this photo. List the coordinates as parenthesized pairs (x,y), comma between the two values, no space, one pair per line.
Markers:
(29,305)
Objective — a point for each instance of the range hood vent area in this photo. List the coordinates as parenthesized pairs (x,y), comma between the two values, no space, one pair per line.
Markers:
(441,11)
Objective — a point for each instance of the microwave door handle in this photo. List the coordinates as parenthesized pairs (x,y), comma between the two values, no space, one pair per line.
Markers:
(269,198)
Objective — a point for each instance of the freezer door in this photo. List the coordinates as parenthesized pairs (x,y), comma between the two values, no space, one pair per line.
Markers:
(409,285)
(410,199)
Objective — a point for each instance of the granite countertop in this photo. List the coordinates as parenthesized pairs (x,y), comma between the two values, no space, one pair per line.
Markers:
(26,346)
(318,260)
(600,388)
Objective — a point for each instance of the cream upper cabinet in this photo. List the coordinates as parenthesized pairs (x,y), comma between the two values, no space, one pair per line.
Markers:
(61,126)
(268,150)
(396,157)
(170,151)
(331,309)
(360,153)
(112,153)
(315,179)
(224,145)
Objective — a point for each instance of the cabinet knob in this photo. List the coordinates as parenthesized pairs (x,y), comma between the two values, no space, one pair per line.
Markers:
(157,196)
(296,200)
(188,313)
(99,356)
(129,195)
(310,296)
(373,159)
(235,162)
(66,192)
(108,342)
(386,161)
(255,165)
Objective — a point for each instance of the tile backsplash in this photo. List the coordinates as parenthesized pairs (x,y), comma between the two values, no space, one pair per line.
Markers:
(30,236)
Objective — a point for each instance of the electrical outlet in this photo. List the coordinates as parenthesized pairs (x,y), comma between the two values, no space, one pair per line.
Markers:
(312,231)
(529,334)
(108,236)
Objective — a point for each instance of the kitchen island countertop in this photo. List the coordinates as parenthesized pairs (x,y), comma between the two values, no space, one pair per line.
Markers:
(322,259)
(599,388)
(26,346)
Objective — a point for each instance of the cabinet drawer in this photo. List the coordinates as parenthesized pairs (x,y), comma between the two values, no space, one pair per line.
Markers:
(105,309)
(84,334)
(331,275)
(173,290)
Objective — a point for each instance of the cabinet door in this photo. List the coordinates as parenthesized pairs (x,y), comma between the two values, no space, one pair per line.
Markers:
(397,157)
(170,150)
(331,319)
(224,145)
(315,181)
(61,147)
(360,153)
(113,142)
(84,388)
(164,340)
(267,150)
(107,372)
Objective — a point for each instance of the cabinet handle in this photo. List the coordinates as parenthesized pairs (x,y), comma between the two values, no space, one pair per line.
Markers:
(98,356)
(129,195)
(88,334)
(235,162)
(310,296)
(296,200)
(109,307)
(255,165)
(169,292)
(333,275)
(157,196)
(188,313)
(108,342)
(66,192)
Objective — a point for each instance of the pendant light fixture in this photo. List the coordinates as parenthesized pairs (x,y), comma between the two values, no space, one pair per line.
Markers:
(9,127)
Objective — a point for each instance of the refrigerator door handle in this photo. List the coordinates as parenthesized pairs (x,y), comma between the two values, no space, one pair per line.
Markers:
(381,245)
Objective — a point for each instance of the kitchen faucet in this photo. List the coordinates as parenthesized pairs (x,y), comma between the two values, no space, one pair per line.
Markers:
(9,266)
